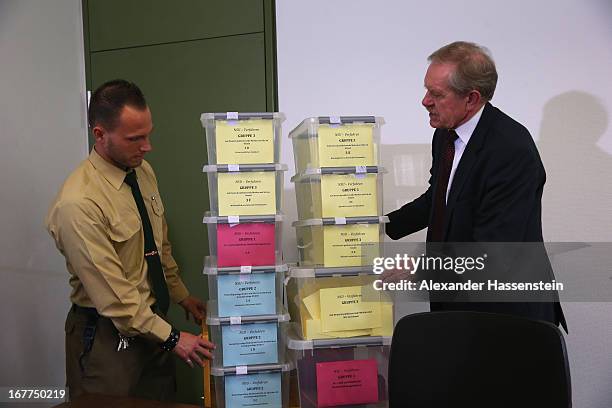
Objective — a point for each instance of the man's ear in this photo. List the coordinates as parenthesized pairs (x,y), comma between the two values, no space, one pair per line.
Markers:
(474,99)
(98,133)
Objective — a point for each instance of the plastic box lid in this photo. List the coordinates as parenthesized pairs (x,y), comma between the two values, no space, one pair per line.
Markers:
(324,272)
(298,131)
(212,218)
(297,344)
(250,369)
(210,268)
(341,221)
(312,173)
(212,318)
(209,118)
(228,168)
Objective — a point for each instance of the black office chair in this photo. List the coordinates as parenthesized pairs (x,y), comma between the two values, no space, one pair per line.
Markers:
(475,359)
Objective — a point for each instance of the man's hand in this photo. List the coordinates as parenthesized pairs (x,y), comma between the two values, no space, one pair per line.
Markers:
(195,307)
(191,348)
(397,275)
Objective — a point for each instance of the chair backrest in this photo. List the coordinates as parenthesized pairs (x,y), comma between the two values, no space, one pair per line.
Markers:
(475,359)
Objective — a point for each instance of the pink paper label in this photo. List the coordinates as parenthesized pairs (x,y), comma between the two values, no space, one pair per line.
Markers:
(347,382)
(245,244)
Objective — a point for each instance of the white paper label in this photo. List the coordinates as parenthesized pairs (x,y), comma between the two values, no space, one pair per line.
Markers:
(235,320)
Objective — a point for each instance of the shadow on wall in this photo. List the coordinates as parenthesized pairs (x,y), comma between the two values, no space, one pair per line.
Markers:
(577,202)
(407,178)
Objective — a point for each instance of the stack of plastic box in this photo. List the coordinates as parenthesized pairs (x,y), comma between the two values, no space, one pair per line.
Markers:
(246,318)
(341,330)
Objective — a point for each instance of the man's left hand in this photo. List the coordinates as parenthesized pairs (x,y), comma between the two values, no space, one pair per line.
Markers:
(195,307)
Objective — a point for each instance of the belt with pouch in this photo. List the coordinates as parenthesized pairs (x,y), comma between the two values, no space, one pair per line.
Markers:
(89,333)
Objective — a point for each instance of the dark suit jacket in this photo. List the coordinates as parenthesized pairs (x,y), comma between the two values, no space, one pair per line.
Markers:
(495,196)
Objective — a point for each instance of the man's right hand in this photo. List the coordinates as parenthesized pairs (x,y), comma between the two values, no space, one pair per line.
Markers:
(397,275)
(191,348)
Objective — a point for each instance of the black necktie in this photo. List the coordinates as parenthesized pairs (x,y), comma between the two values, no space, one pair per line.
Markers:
(156,273)
(444,170)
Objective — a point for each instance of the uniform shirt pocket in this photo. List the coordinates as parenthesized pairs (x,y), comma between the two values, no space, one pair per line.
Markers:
(124,228)
(126,238)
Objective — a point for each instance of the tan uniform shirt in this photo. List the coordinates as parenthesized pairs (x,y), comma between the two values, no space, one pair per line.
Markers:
(96,226)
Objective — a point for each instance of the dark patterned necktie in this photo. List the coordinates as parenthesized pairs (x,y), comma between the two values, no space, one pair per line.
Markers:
(155,270)
(444,170)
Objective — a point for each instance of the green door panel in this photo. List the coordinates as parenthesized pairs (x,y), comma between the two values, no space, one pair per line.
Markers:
(181,81)
(128,23)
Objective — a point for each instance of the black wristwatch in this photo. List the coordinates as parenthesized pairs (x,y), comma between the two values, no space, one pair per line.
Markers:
(171,341)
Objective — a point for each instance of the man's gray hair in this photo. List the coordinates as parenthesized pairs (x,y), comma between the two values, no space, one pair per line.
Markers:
(474,68)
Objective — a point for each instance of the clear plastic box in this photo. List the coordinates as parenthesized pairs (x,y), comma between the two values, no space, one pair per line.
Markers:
(243,138)
(341,141)
(253,240)
(342,372)
(245,189)
(249,340)
(339,192)
(329,303)
(336,242)
(263,386)
(243,291)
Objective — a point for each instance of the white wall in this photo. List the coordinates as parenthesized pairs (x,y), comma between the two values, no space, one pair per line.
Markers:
(42,137)
(554,58)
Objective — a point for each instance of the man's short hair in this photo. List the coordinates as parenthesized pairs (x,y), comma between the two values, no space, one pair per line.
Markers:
(109,99)
(474,68)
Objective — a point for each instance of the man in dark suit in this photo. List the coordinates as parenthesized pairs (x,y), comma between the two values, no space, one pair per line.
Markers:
(486,177)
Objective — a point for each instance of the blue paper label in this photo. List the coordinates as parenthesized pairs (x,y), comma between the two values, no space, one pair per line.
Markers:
(247,294)
(253,390)
(247,344)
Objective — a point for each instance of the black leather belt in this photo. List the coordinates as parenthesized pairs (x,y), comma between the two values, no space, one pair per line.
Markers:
(88,311)
(91,311)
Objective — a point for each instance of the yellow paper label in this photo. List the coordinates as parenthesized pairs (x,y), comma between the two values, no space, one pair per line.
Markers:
(247,193)
(312,305)
(245,141)
(350,245)
(345,308)
(349,195)
(347,145)
(312,330)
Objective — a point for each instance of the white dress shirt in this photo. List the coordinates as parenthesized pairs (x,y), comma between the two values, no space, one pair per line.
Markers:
(465,133)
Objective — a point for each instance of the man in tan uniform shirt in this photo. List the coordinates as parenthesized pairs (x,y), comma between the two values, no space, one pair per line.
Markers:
(97,227)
